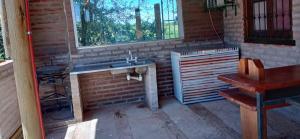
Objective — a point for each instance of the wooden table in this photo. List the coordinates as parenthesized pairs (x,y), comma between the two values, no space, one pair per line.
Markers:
(279,84)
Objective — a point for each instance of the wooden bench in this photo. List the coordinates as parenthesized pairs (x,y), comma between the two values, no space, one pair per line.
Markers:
(248,112)
(253,70)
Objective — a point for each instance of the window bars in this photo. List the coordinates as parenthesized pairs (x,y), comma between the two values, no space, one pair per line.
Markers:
(268,21)
(169,19)
(2,50)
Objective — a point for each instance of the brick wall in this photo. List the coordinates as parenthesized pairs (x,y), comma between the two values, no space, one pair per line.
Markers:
(102,88)
(10,115)
(53,33)
(51,36)
(271,55)
(197,23)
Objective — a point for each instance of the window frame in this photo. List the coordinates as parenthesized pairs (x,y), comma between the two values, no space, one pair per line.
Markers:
(269,36)
(180,29)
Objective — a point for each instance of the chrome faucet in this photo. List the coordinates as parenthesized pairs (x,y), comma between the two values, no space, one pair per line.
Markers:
(130,58)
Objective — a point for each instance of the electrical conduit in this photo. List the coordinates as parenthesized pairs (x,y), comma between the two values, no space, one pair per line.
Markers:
(31,54)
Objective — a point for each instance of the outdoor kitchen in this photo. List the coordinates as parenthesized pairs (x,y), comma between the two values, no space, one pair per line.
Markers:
(165,69)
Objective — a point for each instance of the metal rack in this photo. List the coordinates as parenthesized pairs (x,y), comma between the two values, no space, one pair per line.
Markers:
(54,76)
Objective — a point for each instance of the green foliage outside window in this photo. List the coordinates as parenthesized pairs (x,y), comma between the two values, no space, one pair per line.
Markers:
(102,22)
(2,54)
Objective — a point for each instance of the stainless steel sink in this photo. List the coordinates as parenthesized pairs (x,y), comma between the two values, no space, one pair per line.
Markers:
(124,67)
(124,64)
(90,67)
(142,62)
(117,65)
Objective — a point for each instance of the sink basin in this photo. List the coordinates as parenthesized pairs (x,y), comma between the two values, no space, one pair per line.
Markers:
(121,65)
(141,70)
(82,68)
(140,62)
(124,64)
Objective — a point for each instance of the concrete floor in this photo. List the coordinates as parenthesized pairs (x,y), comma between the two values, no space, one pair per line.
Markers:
(214,120)
(57,118)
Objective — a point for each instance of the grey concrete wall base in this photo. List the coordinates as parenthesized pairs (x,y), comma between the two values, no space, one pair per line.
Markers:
(151,88)
(76,98)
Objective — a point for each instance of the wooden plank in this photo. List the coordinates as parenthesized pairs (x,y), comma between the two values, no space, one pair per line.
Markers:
(15,10)
(249,123)
(235,96)
(256,70)
(84,130)
(244,100)
(275,78)
(243,68)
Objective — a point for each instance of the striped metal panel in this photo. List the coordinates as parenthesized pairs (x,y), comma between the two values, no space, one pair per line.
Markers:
(195,73)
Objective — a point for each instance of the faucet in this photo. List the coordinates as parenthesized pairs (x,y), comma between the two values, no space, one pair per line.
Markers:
(130,58)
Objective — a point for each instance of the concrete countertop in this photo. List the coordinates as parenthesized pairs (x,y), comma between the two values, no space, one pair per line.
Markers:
(99,67)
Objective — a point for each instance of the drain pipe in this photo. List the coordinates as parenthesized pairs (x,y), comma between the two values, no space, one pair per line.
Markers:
(138,78)
(31,52)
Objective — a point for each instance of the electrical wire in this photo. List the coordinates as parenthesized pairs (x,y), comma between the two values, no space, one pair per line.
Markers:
(213,26)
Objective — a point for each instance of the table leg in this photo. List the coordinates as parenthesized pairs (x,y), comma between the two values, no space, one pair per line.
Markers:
(260,115)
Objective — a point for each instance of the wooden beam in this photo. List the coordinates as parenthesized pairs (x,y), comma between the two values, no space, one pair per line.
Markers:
(256,70)
(249,123)
(23,69)
(157,21)
(243,69)
(139,32)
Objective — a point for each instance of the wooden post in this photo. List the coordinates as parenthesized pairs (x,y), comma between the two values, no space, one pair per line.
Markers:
(243,69)
(157,21)
(139,33)
(256,70)
(29,111)
(249,123)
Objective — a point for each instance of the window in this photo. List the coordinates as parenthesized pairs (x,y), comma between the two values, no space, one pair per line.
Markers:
(268,21)
(2,50)
(103,22)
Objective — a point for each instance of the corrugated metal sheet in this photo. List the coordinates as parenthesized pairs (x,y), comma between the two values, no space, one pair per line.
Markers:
(195,72)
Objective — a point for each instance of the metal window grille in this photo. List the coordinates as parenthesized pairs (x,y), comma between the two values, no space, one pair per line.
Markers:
(269,21)
(169,19)
(2,51)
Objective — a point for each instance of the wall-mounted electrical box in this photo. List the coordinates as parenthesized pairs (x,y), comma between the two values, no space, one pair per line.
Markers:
(220,4)
(211,4)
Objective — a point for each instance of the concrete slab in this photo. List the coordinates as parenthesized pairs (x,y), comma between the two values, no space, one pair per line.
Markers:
(192,125)
(215,120)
